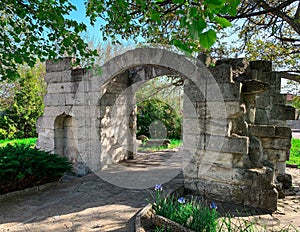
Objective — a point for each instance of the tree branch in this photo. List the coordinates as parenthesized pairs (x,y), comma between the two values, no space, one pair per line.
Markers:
(290,76)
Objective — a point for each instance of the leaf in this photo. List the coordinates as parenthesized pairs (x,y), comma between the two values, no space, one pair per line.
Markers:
(222,22)
(215,2)
(155,16)
(193,12)
(178,1)
(196,28)
(208,38)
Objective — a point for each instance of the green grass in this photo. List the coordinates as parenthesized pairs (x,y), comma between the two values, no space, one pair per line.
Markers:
(29,141)
(174,144)
(295,152)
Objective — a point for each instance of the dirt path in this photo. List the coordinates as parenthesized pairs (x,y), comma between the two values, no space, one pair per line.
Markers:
(288,212)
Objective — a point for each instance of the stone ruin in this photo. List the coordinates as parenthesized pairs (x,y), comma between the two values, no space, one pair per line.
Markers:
(235,139)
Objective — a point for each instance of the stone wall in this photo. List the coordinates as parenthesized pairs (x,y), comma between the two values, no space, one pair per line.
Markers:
(243,143)
(234,134)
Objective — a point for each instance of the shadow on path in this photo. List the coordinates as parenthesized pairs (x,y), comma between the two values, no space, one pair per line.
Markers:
(86,203)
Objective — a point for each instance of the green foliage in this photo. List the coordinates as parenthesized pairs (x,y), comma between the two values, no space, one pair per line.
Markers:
(18,120)
(162,229)
(174,144)
(189,25)
(28,141)
(37,29)
(22,166)
(295,152)
(269,30)
(296,102)
(34,30)
(154,110)
(200,218)
(189,214)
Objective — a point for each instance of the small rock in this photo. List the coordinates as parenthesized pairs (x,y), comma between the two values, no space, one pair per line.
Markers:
(280,212)
(286,180)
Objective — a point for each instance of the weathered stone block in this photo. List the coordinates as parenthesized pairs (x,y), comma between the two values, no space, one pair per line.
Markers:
(265,66)
(191,170)
(285,179)
(223,92)
(268,199)
(59,65)
(194,93)
(274,143)
(238,65)
(283,112)
(280,166)
(222,73)
(80,99)
(237,161)
(46,122)
(262,130)
(263,101)
(79,74)
(54,99)
(275,154)
(220,174)
(283,132)
(237,145)
(194,141)
(215,127)
(262,116)
(223,110)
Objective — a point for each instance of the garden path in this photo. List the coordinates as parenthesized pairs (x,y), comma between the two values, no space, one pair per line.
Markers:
(90,203)
(86,203)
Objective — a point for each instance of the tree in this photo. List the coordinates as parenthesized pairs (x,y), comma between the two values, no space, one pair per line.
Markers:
(164,88)
(269,29)
(158,115)
(189,25)
(18,120)
(33,29)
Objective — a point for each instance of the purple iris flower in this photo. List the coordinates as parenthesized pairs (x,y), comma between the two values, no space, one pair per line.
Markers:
(158,187)
(213,205)
(181,200)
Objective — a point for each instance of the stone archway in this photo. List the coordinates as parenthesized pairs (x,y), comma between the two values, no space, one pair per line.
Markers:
(230,138)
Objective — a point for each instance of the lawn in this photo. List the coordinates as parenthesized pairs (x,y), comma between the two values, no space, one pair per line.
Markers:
(28,141)
(295,152)
(174,143)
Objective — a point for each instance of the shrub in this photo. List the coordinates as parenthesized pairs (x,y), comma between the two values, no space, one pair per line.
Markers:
(22,167)
(153,111)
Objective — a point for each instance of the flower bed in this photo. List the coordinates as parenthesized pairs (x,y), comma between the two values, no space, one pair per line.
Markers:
(171,213)
(175,214)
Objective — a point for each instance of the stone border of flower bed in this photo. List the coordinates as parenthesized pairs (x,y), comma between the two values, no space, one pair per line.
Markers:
(149,215)
(27,190)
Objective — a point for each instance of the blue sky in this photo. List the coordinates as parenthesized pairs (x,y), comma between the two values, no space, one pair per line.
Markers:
(92,32)
(79,16)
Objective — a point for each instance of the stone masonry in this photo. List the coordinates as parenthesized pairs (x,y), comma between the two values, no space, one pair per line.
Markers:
(235,141)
